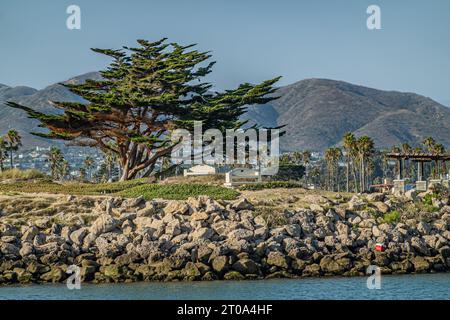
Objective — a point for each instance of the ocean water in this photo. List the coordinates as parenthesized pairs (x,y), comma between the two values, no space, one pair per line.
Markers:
(416,287)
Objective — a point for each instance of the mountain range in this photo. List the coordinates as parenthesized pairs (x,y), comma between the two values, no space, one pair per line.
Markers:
(316,113)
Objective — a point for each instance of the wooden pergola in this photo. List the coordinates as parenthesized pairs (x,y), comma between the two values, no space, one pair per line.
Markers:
(420,158)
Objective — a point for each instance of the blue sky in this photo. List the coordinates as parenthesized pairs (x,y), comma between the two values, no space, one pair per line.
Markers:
(251,40)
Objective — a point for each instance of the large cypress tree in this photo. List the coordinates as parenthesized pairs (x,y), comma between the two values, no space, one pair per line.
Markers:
(146,92)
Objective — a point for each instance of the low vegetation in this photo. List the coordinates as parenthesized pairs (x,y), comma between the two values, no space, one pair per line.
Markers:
(271,185)
(132,188)
(392,217)
(16,174)
(179,191)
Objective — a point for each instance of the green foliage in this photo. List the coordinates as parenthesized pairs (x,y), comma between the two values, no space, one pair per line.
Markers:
(16,174)
(270,185)
(428,199)
(288,172)
(131,189)
(392,217)
(69,188)
(179,191)
(56,160)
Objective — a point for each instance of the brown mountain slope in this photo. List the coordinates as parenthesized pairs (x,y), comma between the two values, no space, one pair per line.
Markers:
(16,119)
(318,112)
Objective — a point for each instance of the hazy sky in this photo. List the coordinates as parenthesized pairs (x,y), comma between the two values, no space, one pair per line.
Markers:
(251,40)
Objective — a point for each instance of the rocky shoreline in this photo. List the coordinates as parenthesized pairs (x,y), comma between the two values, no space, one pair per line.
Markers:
(127,240)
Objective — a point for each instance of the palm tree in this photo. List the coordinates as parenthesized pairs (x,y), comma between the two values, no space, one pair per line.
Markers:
(55,158)
(65,168)
(435,149)
(88,165)
(306,158)
(110,160)
(297,157)
(438,149)
(14,142)
(365,147)
(348,142)
(3,152)
(429,142)
(332,157)
(82,174)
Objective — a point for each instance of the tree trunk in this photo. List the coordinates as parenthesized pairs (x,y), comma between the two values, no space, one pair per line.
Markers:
(11,164)
(361,174)
(347,176)
(355,178)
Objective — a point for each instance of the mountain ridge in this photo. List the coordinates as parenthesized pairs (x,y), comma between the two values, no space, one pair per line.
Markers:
(316,112)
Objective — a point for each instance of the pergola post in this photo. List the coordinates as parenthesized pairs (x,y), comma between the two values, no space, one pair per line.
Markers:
(400,169)
(419,170)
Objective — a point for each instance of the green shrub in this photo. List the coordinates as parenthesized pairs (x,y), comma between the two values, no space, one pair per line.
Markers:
(133,188)
(17,174)
(270,185)
(392,217)
(428,198)
(288,172)
(179,191)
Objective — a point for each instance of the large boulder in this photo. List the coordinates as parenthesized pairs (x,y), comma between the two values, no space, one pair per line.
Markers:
(78,236)
(104,223)
(176,207)
(240,234)
(202,234)
(419,245)
(30,233)
(278,259)
(246,266)
(242,204)
(420,264)
(55,275)
(220,264)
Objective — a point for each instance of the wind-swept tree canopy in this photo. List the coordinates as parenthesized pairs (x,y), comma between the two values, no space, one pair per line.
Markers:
(145,93)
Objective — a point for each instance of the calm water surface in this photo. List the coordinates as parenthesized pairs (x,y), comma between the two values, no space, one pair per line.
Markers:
(429,286)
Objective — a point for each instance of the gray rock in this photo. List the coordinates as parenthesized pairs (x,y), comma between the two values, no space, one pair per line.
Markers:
(220,264)
(104,223)
(424,228)
(9,249)
(176,207)
(30,233)
(277,259)
(27,249)
(419,245)
(246,266)
(239,234)
(242,204)
(294,230)
(78,236)
(202,234)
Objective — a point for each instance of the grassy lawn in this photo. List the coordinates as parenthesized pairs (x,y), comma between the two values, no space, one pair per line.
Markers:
(179,191)
(134,188)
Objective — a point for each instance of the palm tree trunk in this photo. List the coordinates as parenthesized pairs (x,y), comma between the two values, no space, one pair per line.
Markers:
(362,174)
(11,164)
(355,178)
(347,176)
